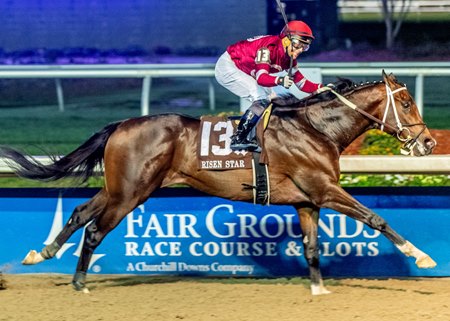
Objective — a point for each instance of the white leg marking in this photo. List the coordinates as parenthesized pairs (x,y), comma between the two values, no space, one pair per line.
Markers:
(319,289)
(423,260)
(33,257)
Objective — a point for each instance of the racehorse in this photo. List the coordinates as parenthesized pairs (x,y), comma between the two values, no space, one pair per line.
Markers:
(303,142)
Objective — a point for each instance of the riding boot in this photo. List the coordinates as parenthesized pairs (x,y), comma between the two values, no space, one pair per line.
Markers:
(240,138)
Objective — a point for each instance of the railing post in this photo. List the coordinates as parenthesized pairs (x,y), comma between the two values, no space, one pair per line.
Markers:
(59,94)
(419,93)
(212,95)
(145,95)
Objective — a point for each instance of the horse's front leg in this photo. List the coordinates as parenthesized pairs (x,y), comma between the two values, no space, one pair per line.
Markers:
(339,200)
(309,221)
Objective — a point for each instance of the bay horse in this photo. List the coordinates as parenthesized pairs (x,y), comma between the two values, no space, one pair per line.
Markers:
(303,141)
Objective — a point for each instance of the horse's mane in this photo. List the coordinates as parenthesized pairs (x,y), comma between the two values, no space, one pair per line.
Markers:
(342,86)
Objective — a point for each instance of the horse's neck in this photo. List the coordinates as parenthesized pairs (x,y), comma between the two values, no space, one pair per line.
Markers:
(340,123)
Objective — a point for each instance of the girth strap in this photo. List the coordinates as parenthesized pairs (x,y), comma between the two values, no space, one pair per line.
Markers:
(261,183)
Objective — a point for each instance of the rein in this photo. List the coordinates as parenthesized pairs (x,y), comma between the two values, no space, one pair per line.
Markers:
(409,142)
(348,103)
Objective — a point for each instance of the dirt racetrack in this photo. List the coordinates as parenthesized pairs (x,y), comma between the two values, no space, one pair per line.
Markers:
(50,297)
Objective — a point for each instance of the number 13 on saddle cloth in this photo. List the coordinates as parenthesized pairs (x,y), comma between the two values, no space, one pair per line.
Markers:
(214,151)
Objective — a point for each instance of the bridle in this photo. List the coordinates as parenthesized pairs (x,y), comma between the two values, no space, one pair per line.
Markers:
(401,129)
(408,142)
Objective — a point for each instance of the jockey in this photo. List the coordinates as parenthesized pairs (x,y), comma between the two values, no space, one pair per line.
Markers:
(246,67)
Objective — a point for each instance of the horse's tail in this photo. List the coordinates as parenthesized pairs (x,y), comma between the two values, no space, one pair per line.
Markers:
(80,163)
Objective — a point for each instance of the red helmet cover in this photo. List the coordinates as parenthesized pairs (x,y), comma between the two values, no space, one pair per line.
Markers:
(297,27)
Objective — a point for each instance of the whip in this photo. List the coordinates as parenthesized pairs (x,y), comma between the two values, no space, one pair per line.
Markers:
(280,5)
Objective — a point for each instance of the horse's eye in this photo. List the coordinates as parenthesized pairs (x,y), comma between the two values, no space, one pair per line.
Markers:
(406,105)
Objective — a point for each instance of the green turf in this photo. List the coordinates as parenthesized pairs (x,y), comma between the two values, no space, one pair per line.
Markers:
(41,129)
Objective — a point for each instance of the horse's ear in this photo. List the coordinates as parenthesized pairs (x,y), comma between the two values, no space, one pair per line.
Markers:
(389,79)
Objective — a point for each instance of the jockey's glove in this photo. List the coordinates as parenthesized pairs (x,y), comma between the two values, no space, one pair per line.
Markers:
(323,88)
(285,81)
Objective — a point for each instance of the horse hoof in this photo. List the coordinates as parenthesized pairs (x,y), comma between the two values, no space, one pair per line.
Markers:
(84,290)
(426,262)
(32,257)
(80,287)
(319,290)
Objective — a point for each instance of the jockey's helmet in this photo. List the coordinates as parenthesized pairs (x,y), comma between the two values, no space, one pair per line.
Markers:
(297,33)
(298,30)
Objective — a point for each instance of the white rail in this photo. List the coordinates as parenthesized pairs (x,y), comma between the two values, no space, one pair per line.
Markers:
(374,6)
(356,164)
(432,164)
(419,70)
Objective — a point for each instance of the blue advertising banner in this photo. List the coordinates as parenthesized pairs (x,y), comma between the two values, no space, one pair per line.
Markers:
(183,232)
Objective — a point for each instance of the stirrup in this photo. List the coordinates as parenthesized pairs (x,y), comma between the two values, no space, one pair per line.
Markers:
(251,146)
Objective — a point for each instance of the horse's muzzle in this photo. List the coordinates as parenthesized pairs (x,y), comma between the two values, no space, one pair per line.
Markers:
(425,147)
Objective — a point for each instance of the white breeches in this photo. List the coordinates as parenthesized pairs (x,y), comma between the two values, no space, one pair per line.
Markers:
(241,84)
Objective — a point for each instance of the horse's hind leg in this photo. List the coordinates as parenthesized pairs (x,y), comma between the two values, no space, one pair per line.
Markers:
(81,215)
(309,221)
(96,231)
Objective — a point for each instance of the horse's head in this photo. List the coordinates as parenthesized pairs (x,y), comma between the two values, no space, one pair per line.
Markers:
(403,119)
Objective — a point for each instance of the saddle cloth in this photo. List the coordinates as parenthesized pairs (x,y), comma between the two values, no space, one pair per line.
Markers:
(214,151)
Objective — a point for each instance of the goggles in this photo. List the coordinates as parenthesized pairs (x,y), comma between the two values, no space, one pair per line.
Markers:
(298,43)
